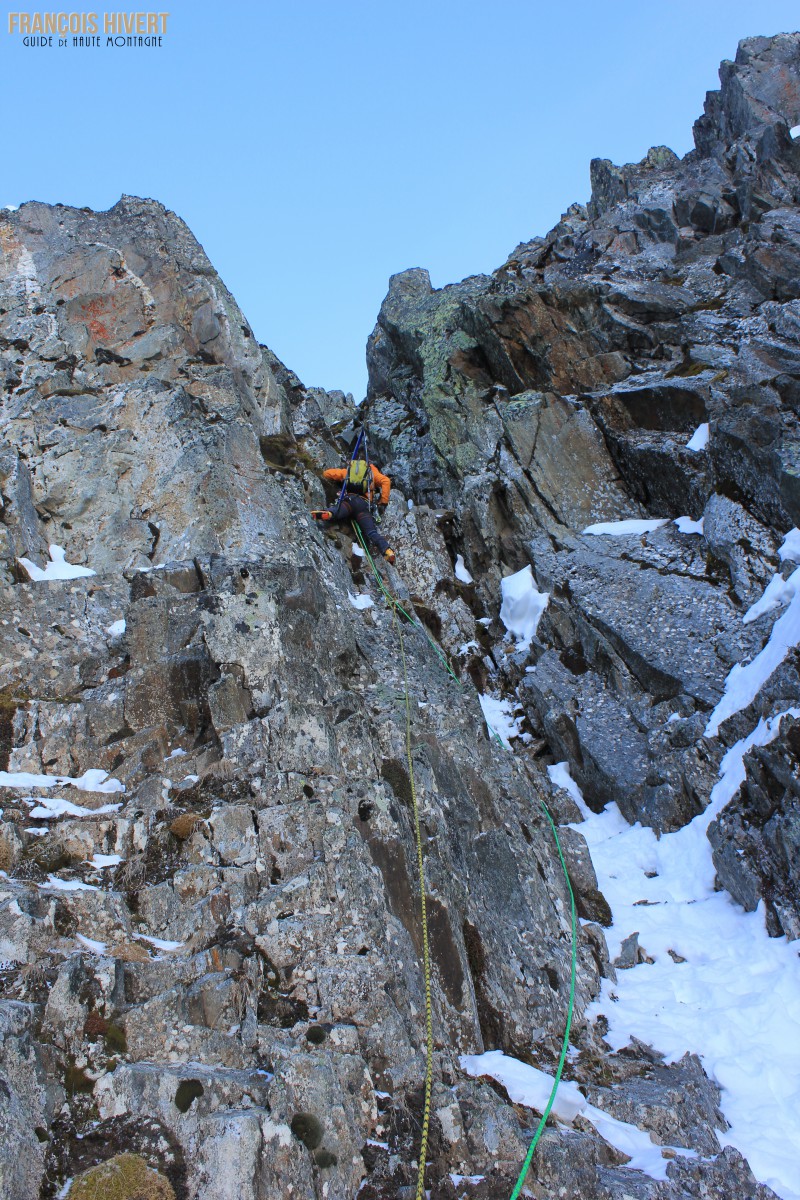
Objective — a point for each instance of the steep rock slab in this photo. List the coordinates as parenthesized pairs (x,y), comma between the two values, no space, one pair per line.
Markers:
(138,395)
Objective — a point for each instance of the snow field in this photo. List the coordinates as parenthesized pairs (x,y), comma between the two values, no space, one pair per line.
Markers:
(731,994)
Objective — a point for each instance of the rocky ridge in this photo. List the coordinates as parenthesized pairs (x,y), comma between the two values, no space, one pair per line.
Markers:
(210,941)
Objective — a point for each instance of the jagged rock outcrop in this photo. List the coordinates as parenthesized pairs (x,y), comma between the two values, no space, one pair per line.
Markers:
(208,912)
(564,390)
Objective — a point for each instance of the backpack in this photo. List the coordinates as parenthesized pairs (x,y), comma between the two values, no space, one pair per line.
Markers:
(359,477)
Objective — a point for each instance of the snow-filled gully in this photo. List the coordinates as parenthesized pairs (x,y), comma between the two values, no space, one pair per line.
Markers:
(715,983)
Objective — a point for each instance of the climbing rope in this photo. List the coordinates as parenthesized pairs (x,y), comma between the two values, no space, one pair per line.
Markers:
(426,958)
(568,1025)
(396,607)
(397,624)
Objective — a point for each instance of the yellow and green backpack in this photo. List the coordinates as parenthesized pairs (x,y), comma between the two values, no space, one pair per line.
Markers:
(359,477)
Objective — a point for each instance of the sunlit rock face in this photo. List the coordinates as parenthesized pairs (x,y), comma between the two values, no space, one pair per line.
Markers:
(209,900)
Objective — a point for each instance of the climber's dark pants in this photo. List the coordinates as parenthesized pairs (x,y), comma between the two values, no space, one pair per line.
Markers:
(356,508)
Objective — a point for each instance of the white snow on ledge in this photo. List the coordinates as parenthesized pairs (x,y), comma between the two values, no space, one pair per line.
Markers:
(699,439)
(743,683)
(159,943)
(55,806)
(360,601)
(94,780)
(461,571)
(57,568)
(500,719)
(561,778)
(791,547)
(91,945)
(687,525)
(529,1086)
(637,525)
(66,885)
(625,528)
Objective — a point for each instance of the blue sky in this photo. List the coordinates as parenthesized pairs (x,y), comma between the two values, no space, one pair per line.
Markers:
(315,148)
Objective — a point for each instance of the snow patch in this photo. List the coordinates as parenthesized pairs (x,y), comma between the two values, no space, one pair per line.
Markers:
(699,439)
(625,528)
(778,592)
(90,944)
(744,682)
(790,548)
(522,606)
(500,719)
(461,571)
(117,629)
(54,806)
(94,780)
(529,1086)
(561,778)
(66,885)
(687,525)
(159,943)
(361,601)
(57,568)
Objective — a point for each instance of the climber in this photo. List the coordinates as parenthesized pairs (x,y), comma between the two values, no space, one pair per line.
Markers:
(359,480)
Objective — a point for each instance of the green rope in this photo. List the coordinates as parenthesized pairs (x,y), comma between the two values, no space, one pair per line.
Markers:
(568,1026)
(394,603)
(396,606)
(570,1009)
(426,956)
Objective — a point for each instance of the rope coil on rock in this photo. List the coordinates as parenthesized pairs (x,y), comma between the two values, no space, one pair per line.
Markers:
(397,607)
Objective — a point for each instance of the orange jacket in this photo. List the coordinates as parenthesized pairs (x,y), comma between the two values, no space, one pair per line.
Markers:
(339,474)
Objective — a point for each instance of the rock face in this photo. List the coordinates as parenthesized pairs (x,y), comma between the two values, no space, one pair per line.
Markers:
(209,909)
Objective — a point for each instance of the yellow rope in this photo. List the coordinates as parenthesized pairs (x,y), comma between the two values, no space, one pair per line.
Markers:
(397,624)
(426,962)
